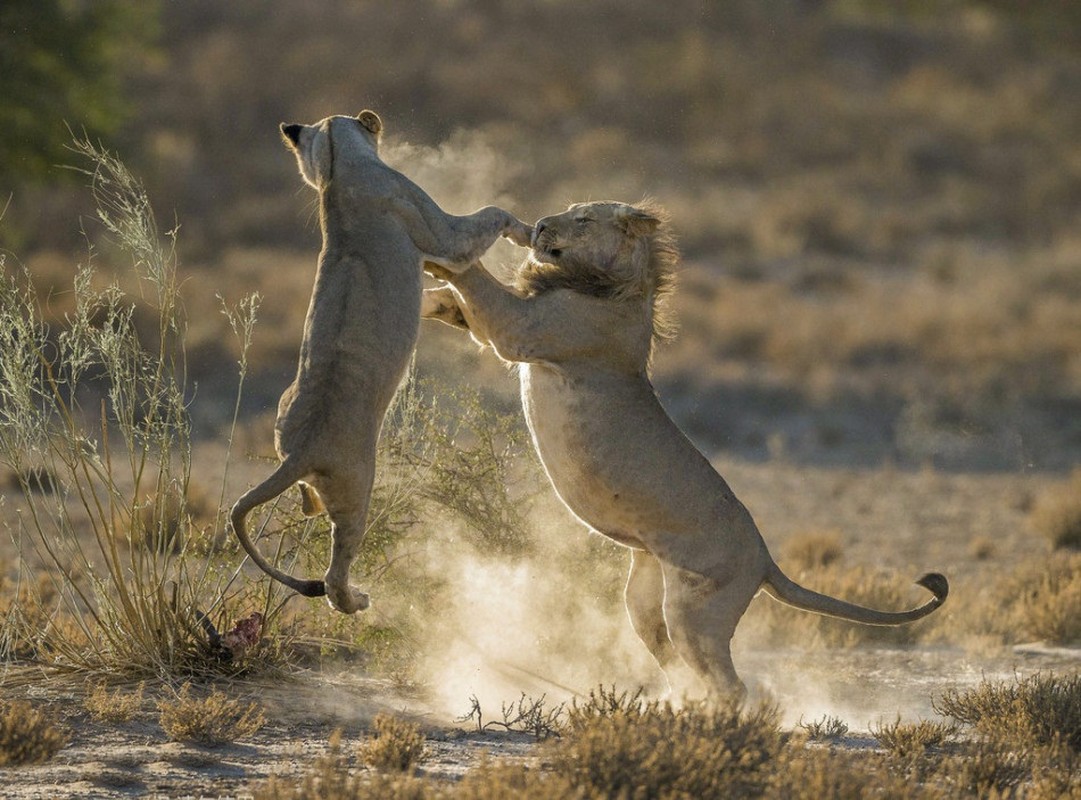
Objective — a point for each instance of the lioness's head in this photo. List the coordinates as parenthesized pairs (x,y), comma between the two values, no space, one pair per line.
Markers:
(605,249)
(315,145)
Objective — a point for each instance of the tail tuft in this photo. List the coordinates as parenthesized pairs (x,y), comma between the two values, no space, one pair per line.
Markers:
(937,585)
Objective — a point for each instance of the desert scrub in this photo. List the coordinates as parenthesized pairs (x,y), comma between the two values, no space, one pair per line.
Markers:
(829,774)
(528,715)
(97,399)
(908,740)
(652,750)
(1040,600)
(1051,609)
(212,720)
(812,550)
(1043,709)
(330,778)
(395,745)
(1057,513)
(824,729)
(26,735)
(113,706)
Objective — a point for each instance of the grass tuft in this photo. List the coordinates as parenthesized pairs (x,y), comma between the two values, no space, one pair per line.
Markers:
(1042,709)
(396,745)
(653,750)
(212,720)
(26,735)
(1057,513)
(117,706)
(813,550)
(825,729)
(908,740)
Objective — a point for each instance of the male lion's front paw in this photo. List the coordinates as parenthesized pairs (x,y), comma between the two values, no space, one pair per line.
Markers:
(519,233)
(349,600)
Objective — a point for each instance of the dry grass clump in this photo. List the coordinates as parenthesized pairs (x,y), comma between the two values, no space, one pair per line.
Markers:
(26,735)
(825,728)
(1051,609)
(118,706)
(828,774)
(1040,601)
(330,778)
(1042,709)
(1057,513)
(907,740)
(212,720)
(35,623)
(653,750)
(813,550)
(396,746)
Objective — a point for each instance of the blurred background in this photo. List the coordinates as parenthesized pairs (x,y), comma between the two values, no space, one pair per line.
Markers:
(879,203)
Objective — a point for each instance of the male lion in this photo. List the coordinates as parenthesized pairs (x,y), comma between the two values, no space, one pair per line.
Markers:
(378,228)
(581,323)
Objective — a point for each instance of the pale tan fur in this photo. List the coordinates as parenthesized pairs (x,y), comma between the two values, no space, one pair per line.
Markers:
(361,328)
(613,455)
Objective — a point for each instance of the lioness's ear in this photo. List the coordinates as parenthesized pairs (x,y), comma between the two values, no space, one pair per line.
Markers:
(637,222)
(290,135)
(370,120)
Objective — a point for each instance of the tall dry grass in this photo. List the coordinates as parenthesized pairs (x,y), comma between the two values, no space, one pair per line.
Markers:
(100,404)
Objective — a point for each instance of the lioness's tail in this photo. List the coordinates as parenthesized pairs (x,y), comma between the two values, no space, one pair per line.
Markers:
(281,479)
(788,591)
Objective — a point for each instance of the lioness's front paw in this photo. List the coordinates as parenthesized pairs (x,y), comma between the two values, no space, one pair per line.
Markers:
(348,601)
(519,233)
(439,271)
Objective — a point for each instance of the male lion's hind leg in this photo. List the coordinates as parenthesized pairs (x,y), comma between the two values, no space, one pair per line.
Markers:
(702,615)
(644,597)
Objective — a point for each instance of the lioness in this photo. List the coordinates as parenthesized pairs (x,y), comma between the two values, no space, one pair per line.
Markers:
(581,322)
(378,228)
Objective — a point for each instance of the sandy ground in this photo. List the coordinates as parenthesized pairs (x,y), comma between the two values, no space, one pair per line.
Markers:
(135,759)
(907,520)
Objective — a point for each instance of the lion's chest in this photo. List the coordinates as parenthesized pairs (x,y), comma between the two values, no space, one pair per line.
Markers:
(576,431)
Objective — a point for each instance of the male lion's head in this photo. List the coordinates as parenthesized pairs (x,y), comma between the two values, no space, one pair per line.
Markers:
(606,249)
(316,146)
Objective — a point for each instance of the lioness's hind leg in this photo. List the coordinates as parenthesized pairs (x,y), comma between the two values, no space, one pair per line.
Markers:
(347,506)
(310,503)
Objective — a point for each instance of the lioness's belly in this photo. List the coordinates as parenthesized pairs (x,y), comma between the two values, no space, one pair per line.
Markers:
(615,457)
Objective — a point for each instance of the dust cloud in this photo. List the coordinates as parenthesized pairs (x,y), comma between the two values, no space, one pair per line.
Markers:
(549,622)
(463,174)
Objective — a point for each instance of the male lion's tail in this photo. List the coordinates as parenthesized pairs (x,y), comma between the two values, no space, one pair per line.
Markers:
(783,588)
(287,473)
